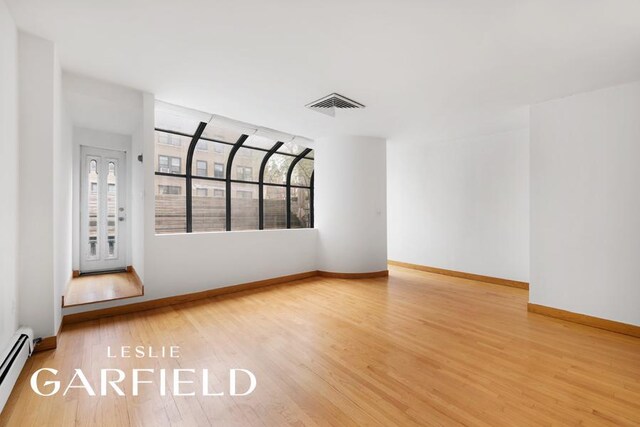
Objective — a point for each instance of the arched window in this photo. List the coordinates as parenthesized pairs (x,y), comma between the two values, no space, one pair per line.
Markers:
(210,178)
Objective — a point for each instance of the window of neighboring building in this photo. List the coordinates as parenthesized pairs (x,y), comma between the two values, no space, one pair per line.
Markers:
(244,194)
(244,173)
(169,189)
(202,192)
(201,168)
(170,139)
(169,164)
(218,170)
(218,192)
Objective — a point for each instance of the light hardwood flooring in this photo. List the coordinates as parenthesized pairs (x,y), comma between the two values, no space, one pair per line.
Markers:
(415,348)
(101,287)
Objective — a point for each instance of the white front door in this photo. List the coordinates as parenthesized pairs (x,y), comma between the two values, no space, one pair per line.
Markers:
(102,210)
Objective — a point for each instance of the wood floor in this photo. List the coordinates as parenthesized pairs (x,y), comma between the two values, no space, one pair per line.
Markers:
(101,287)
(415,348)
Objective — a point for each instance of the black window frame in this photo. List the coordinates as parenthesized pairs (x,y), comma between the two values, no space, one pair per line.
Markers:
(189,175)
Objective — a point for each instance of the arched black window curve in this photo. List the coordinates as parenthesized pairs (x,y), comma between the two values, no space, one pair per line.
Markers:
(263,166)
(228,180)
(289,174)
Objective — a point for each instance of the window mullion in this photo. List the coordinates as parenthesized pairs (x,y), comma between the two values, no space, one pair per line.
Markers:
(189,174)
(289,174)
(263,166)
(311,196)
(232,154)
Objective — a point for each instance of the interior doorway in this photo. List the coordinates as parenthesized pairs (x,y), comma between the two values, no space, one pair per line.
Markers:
(103,210)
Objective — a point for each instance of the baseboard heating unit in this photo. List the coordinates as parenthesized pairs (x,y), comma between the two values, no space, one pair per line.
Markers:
(12,360)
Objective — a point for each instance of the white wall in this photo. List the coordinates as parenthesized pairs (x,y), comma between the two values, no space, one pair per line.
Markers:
(62,195)
(100,105)
(585,203)
(37,139)
(136,197)
(461,204)
(351,205)
(8,176)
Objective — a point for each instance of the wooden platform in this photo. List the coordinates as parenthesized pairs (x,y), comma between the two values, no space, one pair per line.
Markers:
(102,287)
(415,348)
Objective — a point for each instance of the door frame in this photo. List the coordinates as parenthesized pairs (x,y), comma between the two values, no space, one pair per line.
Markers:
(120,262)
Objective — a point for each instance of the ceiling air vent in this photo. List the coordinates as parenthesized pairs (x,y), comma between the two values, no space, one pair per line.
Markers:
(330,103)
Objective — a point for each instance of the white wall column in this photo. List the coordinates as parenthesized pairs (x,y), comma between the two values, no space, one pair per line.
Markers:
(8,176)
(39,105)
(350,204)
(585,203)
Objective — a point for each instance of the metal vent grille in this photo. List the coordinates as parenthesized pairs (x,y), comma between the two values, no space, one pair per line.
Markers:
(330,103)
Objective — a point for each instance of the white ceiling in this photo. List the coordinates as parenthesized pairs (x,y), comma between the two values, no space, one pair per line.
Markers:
(410,62)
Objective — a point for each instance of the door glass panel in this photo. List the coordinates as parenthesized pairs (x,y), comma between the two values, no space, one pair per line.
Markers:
(93,208)
(103,210)
(112,211)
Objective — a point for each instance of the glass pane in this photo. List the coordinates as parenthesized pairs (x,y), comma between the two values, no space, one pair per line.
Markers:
(246,164)
(177,122)
(209,206)
(244,206)
(112,211)
(93,209)
(310,155)
(302,173)
(275,207)
(171,153)
(300,208)
(291,148)
(221,134)
(210,159)
(259,142)
(277,168)
(170,205)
